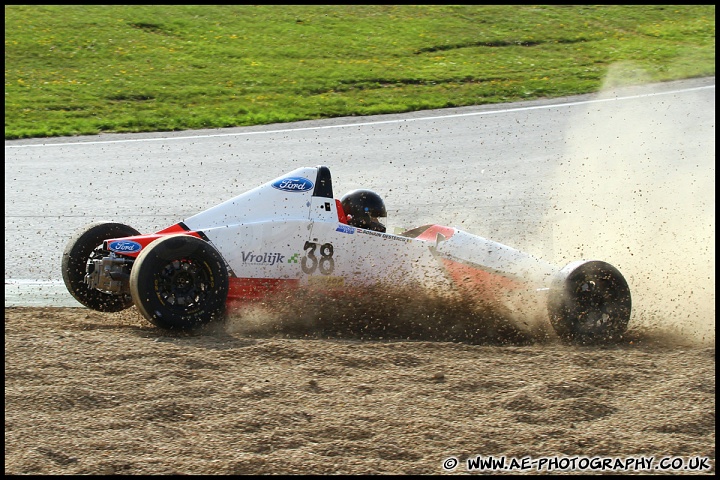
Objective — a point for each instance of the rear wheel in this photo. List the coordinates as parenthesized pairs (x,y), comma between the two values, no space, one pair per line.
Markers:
(180,282)
(85,246)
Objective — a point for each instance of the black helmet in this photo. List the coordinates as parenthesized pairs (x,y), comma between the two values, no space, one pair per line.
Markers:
(365,207)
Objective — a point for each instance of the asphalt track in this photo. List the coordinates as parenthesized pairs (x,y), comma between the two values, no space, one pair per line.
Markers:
(510,172)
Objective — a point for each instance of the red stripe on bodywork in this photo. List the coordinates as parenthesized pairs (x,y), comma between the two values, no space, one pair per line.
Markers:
(146,240)
(480,283)
(257,288)
(431,233)
(177,228)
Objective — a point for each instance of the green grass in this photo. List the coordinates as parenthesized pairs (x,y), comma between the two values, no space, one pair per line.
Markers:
(72,70)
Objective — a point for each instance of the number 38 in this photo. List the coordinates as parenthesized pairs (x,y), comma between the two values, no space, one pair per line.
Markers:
(310,262)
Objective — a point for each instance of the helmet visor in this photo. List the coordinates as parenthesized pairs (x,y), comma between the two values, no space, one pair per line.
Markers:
(377,224)
(381,220)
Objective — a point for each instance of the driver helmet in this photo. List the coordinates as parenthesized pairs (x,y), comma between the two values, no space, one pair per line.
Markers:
(365,209)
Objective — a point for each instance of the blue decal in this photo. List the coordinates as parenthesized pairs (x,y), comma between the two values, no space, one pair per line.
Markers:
(345,229)
(293,184)
(125,246)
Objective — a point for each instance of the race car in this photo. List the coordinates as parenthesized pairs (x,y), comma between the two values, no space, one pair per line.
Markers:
(293,233)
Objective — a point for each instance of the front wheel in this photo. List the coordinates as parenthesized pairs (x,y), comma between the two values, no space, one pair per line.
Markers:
(85,246)
(589,302)
(180,282)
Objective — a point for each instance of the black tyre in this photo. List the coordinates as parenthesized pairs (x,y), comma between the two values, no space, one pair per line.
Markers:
(180,282)
(85,246)
(590,302)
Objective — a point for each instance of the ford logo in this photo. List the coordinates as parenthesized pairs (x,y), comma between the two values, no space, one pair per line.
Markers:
(289,184)
(125,246)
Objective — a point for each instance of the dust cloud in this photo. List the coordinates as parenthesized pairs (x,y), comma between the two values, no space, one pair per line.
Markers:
(632,191)
(385,312)
(629,189)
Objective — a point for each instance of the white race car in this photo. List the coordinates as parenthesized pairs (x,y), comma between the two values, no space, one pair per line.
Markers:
(292,233)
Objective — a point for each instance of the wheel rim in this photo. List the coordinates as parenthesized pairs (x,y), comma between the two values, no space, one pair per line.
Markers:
(593,315)
(599,307)
(183,284)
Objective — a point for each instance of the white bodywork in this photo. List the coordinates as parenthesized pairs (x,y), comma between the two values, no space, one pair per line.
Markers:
(264,233)
(496,258)
(280,230)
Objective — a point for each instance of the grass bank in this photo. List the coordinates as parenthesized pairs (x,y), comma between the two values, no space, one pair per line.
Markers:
(72,70)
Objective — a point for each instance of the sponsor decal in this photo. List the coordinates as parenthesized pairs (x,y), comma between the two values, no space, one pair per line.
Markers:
(125,246)
(262,258)
(345,229)
(383,235)
(294,258)
(293,184)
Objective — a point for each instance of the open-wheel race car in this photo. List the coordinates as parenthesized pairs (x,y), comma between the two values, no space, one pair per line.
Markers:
(292,233)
